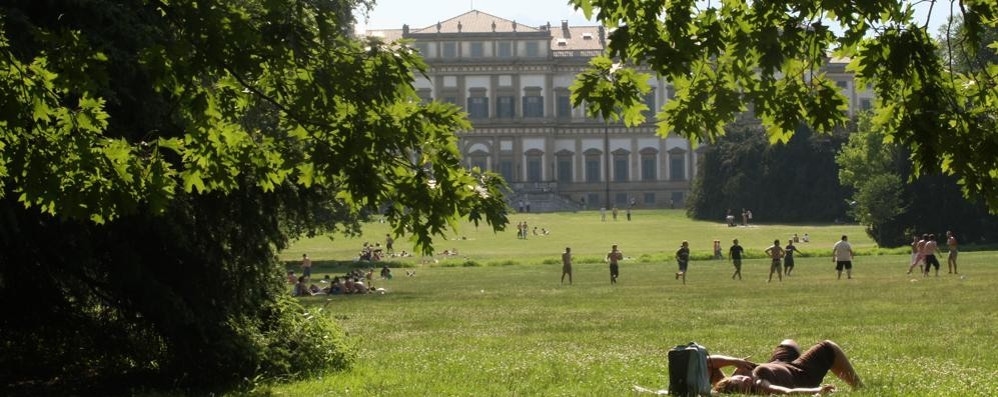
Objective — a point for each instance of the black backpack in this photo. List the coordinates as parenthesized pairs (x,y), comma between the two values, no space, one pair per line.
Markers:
(688,372)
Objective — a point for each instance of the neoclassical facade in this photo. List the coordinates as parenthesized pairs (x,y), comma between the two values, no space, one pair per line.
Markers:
(513,81)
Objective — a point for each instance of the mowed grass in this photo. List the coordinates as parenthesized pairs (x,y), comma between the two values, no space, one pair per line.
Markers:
(654,234)
(515,330)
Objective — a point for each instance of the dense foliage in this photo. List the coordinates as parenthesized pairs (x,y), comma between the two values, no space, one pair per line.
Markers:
(722,56)
(892,208)
(155,155)
(791,182)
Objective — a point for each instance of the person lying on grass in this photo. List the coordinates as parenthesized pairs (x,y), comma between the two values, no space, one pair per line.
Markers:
(787,372)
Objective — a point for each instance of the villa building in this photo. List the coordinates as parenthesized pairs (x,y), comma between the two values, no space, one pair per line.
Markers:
(513,81)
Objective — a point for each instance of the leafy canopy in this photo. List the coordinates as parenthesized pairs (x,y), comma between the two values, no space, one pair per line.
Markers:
(722,56)
(200,97)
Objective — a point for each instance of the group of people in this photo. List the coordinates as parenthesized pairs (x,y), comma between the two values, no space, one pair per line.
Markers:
(371,253)
(351,283)
(782,259)
(729,218)
(522,231)
(924,250)
(615,212)
(356,281)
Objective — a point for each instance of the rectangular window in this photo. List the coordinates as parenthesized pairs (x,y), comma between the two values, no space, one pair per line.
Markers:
(504,107)
(620,199)
(506,169)
(505,49)
(865,104)
(423,49)
(479,162)
(534,169)
(842,84)
(592,169)
(620,168)
(676,200)
(564,105)
(677,168)
(533,49)
(478,107)
(649,198)
(648,168)
(477,49)
(533,106)
(450,50)
(565,169)
(650,102)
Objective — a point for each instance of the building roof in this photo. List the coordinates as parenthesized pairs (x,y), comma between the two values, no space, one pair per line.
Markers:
(388,35)
(477,22)
(575,38)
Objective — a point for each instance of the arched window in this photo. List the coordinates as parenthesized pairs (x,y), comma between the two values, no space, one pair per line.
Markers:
(677,164)
(535,165)
(621,165)
(565,166)
(593,165)
(649,164)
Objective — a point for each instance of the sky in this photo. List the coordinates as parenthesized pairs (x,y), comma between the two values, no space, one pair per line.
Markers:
(391,14)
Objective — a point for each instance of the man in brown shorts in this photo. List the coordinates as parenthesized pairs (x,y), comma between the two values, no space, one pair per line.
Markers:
(787,372)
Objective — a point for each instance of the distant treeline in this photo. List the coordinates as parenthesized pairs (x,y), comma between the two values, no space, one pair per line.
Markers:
(798,182)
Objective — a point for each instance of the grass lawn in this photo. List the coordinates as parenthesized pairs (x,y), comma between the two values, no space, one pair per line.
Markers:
(655,234)
(514,330)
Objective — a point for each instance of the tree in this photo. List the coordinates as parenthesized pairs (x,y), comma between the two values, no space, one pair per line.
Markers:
(878,200)
(792,182)
(724,55)
(154,157)
(875,169)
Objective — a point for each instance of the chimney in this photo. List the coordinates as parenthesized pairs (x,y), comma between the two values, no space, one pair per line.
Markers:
(564,28)
(405,30)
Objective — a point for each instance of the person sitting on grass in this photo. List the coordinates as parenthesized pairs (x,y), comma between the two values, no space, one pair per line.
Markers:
(336,286)
(787,372)
(359,287)
(300,288)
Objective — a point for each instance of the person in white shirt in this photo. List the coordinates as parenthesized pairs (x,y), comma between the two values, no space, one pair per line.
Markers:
(842,256)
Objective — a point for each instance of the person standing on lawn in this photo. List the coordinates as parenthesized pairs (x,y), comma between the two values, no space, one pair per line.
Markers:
(788,257)
(951,259)
(566,265)
(735,256)
(842,256)
(683,259)
(776,253)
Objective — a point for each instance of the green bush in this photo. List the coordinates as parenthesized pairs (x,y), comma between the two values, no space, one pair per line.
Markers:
(298,342)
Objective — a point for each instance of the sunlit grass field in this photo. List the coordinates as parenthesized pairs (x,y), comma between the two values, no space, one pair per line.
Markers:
(513,329)
(650,233)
